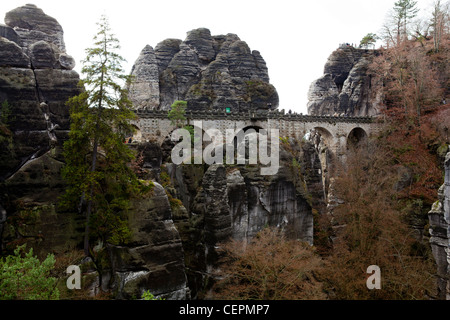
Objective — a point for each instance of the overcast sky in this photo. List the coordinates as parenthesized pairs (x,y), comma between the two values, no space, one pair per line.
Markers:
(295,38)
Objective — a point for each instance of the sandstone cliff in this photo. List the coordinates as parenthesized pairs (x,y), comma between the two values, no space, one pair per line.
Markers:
(173,248)
(222,202)
(439,218)
(36,79)
(346,88)
(209,72)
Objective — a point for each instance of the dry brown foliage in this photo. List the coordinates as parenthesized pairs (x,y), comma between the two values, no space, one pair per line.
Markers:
(270,267)
(372,230)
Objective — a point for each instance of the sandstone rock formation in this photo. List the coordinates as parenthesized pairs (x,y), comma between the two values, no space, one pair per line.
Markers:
(209,72)
(346,88)
(36,80)
(439,218)
(32,24)
(236,202)
(154,258)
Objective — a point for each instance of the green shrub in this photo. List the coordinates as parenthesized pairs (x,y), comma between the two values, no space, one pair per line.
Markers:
(147,295)
(24,277)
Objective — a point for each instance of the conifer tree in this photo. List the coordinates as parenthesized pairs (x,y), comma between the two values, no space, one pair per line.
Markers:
(405,10)
(98,177)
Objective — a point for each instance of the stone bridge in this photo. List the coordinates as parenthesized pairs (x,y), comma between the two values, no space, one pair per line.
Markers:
(337,133)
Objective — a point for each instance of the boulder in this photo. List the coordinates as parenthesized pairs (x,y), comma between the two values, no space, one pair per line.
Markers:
(67,62)
(42,55)
(10,34)
(11,55)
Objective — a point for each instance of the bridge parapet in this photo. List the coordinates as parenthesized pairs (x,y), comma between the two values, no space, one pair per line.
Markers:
(252,115)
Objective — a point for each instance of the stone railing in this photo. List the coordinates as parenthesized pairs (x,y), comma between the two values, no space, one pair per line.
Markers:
(252,115)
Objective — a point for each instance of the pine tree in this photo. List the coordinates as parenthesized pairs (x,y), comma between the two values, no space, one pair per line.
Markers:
(404,10)
(177,113)
(369,40)
(438,22)
(97,172)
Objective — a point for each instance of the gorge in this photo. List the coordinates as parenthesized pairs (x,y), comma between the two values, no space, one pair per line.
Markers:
(178,229)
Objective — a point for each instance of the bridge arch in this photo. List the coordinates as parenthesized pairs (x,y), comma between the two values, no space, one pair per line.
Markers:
(242,147)
(247,128)
(321,136)
(135,136)
(356,138)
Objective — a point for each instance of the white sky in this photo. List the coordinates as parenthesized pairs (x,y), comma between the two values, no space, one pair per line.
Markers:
(295,38)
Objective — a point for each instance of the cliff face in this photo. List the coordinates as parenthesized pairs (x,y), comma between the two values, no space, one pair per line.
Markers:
(36,79)
(173,247)
(236,202)
(209,72)
(346,88)
(439,218)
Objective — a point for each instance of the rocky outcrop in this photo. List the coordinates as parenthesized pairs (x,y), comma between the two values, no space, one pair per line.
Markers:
(154,258)
(29,198)
(145,88)
(209,72)
(36,80)
(346,88)
(236,202)
(32,25)
(439,218)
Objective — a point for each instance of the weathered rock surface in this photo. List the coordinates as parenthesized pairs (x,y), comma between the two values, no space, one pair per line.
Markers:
(32,25)
(154,258)
(36,80)
(10,34)
(11,55)
(29,198)
(346,88)
(439,218)
(237,202)
(210,72)
(145,88)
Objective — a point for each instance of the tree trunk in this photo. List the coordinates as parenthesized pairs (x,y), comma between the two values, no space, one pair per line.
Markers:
(93,168)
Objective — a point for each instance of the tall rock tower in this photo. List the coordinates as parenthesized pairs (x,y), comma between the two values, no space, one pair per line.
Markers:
(36,80)
(209,72)
(346,88)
